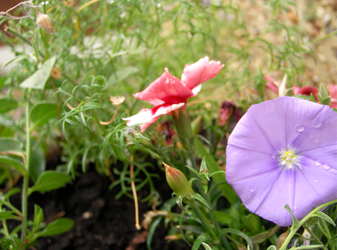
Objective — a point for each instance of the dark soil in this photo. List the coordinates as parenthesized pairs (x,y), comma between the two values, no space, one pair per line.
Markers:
(101,221)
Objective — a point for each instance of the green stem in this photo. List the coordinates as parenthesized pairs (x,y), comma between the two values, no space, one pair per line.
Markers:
(313,235)
(204,221)
(26,178)
(97,121)
(294,229)
(4,224)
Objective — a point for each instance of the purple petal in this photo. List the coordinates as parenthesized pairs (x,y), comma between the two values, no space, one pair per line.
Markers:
(254,167)
(320,132)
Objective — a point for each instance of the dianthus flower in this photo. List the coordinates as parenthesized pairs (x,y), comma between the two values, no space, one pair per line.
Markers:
(284,152)
(167,93)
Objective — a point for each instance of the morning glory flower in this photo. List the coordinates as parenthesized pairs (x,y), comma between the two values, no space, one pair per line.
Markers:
(167,93)
(284,152)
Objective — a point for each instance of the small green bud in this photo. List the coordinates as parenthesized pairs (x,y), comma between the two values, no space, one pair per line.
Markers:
(324,94)
(178,182)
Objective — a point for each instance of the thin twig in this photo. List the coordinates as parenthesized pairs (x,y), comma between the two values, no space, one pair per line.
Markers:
(134,192)
(113,117)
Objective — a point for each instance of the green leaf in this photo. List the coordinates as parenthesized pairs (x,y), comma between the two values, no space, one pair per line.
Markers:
(37,162)
(12,191)
(58,226)
(271,248)
(199,240)
(325,217)
(324,94)
(8,216)
(213,167)
(295,221)
(333,241)
(6,105)
(121,74)
(6,121)
(152,230)
(15,163)
(222,217)
(16,59)
(237,232)
(252,222)
(42,112)
(50,180)
(10,144)
(40,77)
(199,198)
(38,215)
(206,246)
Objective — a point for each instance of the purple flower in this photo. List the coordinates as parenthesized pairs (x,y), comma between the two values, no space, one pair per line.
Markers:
(284,152)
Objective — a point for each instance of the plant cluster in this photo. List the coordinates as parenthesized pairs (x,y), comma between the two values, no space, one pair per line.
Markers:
(246,155)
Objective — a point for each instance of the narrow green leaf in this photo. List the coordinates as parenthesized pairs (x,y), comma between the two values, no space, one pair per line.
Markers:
(121,74)
(213,167)
(40,77)
(206,246)
(16,59)
(7,105)
(10,144)
(198,197)
(42,112)
(325,217)
(237,232)
(295,221)
(8,216)
(58,226)
(13,162)
(38,215)
(199,240)
(152,230)
(50,180)
(12,191)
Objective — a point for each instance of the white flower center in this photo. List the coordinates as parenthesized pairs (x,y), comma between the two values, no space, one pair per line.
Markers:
(289,160)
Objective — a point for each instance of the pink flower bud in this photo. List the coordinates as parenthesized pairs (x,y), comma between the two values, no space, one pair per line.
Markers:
(178,182)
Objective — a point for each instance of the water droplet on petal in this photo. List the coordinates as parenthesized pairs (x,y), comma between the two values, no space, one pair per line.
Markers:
(316,181)
(318,163)
(316,141)
(273,156)
(326,166)
(300,128)
(250,187)
(311,136)
(295,208)
(318,125)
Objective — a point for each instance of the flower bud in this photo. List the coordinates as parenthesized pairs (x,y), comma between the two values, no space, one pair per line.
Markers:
(43,21)
(178,182)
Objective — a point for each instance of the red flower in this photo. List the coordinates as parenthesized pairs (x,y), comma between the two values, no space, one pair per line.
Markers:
(168,93)
(307,90)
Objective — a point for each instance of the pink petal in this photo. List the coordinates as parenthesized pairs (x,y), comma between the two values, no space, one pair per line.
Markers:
(200,72)
(146,117)
(167,88)
(272,84)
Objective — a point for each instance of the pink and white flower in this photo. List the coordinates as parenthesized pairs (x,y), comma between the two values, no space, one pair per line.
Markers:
(167,93)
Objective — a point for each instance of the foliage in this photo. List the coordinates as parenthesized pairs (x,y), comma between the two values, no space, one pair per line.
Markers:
(70,63)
